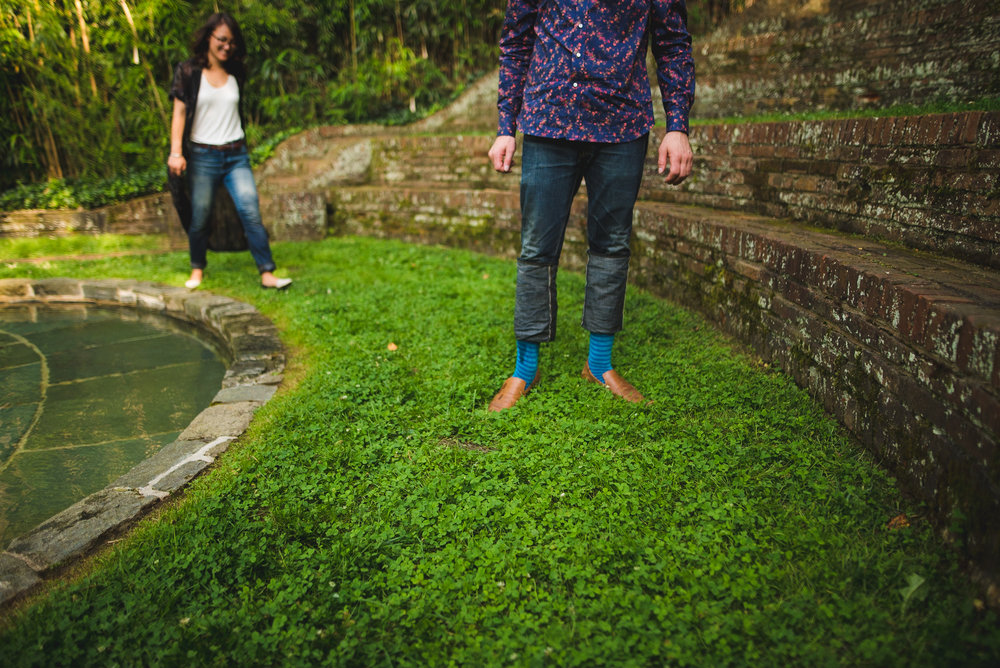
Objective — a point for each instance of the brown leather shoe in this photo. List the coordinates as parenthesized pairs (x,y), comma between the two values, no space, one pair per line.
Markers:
(511,390)
(613,381)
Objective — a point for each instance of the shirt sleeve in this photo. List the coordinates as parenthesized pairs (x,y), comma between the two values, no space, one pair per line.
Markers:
(177,87)
(517,42)
(671,46)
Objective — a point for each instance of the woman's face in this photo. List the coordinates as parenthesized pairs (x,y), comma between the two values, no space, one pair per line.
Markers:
(220,44)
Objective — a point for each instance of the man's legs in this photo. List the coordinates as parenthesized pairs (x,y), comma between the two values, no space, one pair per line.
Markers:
(551,171)
(613,179)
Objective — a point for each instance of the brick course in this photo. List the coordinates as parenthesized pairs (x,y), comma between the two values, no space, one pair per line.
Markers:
(853,55)
(926,182)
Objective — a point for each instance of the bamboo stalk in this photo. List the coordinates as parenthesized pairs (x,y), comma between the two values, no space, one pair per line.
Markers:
(354,40)
(135,33)
(43,131)
(153,90)
(85,40)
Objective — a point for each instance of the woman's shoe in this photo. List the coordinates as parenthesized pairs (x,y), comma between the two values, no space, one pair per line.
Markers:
(279,284)
(192,283)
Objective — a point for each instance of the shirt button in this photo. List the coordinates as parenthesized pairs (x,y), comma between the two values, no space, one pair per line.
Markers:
(579,25)
(577,54)
(575,84)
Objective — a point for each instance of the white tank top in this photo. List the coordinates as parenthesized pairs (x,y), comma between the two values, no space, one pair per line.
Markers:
(216,114)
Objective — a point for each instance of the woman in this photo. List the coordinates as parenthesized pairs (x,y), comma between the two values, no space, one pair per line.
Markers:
(207,140)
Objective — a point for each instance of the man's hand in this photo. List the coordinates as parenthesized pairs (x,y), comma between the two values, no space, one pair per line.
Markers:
(675,151)
(502,153)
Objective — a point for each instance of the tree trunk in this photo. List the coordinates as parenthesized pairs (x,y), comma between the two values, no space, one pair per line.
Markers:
(399,24)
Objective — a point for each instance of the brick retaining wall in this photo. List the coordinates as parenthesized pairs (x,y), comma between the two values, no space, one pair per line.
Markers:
(293,216)
(928,182)
(152,214)
(856,54)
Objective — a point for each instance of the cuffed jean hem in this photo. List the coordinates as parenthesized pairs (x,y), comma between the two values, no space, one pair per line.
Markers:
(535,303)
(266,267)
(604,298)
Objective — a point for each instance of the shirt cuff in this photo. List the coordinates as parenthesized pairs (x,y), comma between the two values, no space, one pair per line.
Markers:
(507,124)
(677,122)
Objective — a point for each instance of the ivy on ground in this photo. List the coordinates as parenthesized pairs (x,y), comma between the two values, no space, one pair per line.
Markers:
(375,513)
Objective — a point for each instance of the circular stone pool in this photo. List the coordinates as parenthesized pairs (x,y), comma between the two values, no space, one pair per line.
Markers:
(247,340)
(86,393)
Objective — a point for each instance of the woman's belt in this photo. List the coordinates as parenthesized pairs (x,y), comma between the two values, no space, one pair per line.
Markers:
(231,146)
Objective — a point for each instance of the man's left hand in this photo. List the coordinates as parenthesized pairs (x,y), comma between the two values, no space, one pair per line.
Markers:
(675,152)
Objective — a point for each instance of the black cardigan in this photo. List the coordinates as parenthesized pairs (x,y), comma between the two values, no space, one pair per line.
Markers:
(225,231)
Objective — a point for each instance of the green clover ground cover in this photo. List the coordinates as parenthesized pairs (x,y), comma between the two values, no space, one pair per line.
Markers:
(376,514)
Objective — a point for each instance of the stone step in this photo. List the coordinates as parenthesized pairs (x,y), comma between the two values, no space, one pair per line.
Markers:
(927,182)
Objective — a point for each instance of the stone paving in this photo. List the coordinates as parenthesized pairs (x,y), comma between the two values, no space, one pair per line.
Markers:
(255,366)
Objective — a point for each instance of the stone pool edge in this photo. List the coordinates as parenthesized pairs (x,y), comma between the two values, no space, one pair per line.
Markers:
(256,363)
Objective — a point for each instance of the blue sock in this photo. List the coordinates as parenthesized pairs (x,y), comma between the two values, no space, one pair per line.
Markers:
(599,357)
(527,361)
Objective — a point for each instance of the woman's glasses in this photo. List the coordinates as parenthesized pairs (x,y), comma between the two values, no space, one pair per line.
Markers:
(225,41)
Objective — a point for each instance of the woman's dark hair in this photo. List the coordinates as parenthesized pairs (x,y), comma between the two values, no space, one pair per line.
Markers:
(199,43)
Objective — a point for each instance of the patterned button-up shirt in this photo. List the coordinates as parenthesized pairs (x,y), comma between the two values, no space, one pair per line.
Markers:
(576,69)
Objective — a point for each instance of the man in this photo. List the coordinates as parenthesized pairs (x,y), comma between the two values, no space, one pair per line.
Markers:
(573,79)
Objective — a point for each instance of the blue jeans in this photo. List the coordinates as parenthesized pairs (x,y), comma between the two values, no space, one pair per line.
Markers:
(551,172)
(206,167)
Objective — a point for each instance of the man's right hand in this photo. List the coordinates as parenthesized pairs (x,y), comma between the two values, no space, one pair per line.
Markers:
(502,153)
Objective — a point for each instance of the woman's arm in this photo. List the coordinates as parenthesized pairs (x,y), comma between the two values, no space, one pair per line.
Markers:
(176,162)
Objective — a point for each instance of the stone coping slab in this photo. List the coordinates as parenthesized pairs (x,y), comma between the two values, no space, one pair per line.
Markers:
(255,359)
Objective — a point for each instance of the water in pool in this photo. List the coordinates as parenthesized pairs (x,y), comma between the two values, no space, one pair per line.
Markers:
(85,394)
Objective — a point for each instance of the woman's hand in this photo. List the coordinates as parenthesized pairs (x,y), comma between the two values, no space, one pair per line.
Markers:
(176,164)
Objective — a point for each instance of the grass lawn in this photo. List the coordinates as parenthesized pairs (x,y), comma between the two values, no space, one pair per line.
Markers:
(21,248)
(376,514)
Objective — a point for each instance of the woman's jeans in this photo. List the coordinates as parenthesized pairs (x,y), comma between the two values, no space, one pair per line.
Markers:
(208,166)
(551,171)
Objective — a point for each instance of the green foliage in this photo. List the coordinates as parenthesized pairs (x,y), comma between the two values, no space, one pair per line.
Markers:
(264,149)
(386,86)
(91,192)
(84,193)
(84,101)
(376,514)
(70,112)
